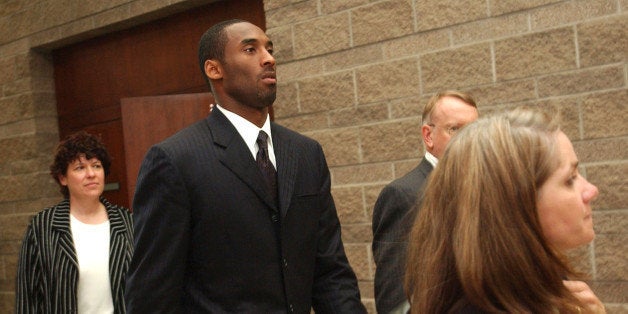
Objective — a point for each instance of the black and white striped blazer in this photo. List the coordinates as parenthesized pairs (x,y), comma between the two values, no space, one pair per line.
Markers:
(47,272)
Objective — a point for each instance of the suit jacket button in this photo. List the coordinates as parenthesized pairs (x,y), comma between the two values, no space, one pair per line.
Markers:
(285,262)
(291,308)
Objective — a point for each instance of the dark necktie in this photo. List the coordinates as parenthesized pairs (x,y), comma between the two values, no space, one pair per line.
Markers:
(264,164)
(270,176)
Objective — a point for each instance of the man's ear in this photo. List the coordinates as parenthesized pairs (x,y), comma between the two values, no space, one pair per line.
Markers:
(213,69)
(426,132)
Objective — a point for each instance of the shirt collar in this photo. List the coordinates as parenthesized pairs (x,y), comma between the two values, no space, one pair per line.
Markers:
(431,159)
(247,130)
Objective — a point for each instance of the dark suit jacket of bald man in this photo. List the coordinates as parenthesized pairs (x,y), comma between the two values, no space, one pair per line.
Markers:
(393,216)
(204,239)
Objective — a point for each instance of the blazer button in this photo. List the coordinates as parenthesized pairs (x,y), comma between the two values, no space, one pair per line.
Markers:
(291,308)
(285,263)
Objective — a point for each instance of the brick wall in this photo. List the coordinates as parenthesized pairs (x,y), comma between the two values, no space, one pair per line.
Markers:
(354,75)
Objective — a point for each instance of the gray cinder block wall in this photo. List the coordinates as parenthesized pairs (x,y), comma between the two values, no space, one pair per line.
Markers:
(354,74)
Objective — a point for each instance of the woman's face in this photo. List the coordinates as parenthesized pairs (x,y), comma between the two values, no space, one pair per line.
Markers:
(84,178)
(564,202)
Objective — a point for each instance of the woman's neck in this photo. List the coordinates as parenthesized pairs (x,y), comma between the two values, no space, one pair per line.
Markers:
(88,211)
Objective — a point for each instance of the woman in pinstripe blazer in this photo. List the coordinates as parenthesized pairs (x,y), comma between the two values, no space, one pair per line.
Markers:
(75,254)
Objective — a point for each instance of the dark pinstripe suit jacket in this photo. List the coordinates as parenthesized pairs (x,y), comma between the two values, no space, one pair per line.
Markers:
(47,275)
(393,216)
(204,239)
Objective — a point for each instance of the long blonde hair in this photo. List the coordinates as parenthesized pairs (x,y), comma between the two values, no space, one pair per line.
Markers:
(477,235)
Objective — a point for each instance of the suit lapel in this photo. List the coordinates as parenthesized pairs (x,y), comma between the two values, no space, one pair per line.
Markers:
(425,167)
(61,224)
(286,166)
(235,155)
(117,249)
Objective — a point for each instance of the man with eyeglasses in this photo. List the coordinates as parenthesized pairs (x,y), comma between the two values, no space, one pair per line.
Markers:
(395,209)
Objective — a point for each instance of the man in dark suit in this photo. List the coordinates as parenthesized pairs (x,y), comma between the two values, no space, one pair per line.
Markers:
(395,209)
(216,229)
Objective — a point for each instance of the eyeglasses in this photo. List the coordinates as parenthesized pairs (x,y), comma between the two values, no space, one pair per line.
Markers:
(451,130)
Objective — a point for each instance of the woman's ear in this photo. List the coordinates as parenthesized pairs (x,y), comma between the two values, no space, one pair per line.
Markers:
(213,69)
(63,180)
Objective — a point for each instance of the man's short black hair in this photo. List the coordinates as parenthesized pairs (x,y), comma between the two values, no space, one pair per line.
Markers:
(213,42)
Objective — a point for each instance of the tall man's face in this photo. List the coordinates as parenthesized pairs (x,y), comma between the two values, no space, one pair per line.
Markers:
(249,75)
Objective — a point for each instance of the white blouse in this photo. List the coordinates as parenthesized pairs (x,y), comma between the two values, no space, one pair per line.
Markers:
(91,243)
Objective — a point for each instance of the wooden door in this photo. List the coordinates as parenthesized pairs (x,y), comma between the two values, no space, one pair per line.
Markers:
(149,120)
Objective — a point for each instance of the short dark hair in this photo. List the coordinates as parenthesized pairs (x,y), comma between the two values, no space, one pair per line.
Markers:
(72,148)
(212,44)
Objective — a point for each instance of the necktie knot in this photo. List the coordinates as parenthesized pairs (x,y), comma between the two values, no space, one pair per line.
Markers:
(263,157)
(262,139)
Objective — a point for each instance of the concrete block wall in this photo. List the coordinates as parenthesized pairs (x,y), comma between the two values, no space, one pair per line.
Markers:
(354,74)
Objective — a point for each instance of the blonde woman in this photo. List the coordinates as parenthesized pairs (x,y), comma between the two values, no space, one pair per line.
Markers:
(501,209)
